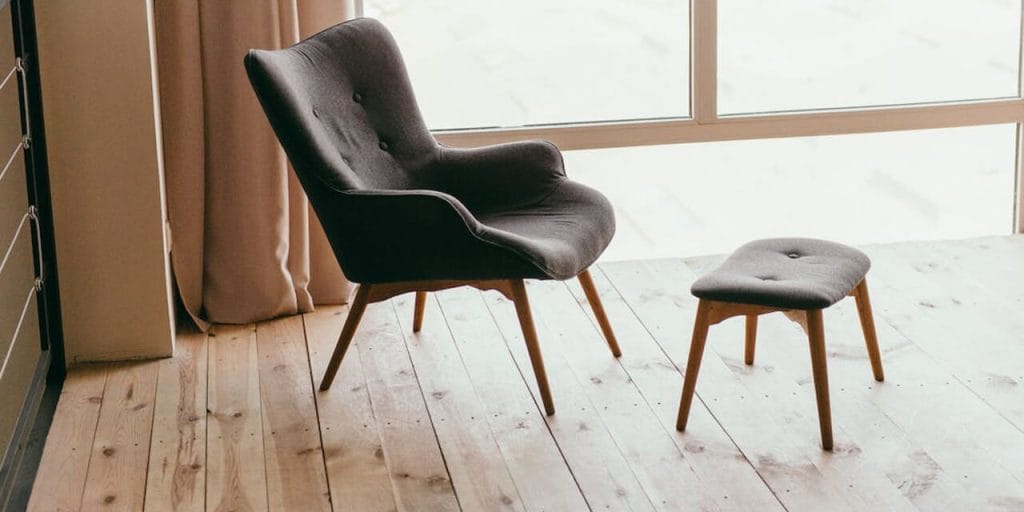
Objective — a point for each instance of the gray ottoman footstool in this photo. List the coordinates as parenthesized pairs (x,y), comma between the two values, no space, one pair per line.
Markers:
(783,274)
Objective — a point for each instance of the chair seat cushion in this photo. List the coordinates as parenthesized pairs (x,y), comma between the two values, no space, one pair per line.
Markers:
(562,234)
(788,273)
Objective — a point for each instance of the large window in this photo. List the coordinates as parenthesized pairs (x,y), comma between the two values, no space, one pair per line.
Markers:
(496,63)
(815,54)
(709,198)
(933,84)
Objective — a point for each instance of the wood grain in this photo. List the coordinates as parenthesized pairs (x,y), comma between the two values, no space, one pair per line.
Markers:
(410,447)
(718,462)
(120,450)
(447,419)
(177,457)
(357,473)
(236,476)
(474,461)
(60,480)
(296,476)
(599,466)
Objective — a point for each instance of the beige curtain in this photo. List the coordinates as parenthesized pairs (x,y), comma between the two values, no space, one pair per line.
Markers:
(245,245)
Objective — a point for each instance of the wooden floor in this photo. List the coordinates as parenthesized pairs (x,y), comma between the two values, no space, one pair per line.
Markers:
(448,419)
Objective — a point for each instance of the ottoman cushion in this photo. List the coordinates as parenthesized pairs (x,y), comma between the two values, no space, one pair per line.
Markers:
(789,273)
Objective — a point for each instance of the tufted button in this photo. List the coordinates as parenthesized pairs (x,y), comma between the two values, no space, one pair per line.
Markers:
(358,98)
(383,145)
(793,255)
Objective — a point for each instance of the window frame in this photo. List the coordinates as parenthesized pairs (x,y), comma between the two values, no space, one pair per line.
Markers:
(706,125)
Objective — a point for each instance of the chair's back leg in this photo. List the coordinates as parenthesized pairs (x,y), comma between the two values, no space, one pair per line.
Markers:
(602,319)
(420,308)
(355,313)
(867,324)
(819,368)
(751,339)
(532,346)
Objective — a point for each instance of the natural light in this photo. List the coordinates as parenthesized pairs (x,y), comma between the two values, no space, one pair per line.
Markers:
(491,64)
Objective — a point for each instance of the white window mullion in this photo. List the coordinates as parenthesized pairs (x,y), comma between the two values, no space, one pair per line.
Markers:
(704,60)
(1018,211)
(1018,203)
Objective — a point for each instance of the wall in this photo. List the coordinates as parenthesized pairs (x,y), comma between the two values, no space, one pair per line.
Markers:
(97,64)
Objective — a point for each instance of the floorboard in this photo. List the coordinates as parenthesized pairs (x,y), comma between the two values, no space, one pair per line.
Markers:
(353,451)
(410,446)
(449,419)
(177,468)
(236,475)
(296,475)
(531,454)
(60,481)
(120,450)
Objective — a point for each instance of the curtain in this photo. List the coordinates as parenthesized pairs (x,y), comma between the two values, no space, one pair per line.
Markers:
(244,244)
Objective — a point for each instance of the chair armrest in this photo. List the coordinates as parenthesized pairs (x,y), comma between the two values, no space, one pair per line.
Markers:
(501,176)
(402,235)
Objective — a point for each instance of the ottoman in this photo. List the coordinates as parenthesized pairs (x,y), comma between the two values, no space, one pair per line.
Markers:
(783,274)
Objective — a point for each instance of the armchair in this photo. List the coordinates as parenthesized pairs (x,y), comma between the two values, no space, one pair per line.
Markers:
(406,214)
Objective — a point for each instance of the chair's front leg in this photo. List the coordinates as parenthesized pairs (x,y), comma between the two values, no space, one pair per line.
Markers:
(355,313)
(602,319)
(522,304)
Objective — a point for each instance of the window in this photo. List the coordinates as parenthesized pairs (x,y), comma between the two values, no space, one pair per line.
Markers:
(709,198)
(495,63)
(640,87)
(815,54)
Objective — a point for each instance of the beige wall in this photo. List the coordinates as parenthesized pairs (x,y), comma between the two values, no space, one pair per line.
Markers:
(102,127)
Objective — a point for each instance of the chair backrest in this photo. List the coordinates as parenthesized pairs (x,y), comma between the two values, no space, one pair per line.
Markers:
(342,106)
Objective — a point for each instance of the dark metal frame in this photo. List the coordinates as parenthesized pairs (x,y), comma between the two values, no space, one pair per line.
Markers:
(39,189)
(50,368)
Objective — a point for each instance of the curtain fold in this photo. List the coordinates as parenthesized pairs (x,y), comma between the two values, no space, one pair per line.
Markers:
(245,245)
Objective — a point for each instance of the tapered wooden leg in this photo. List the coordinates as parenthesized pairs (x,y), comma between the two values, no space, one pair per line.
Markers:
(602,319)
(816,335)
(867,324)
(355,313)
(530,336)
(751,339)
(700,335)
(417,312)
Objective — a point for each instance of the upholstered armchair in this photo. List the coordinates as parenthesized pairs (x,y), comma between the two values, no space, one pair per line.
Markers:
(405,214)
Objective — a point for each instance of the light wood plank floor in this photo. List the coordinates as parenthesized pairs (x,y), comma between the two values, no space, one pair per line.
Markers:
(448,419)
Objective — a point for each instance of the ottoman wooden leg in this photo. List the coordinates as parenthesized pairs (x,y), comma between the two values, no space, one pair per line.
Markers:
(751,339)
(700,335)
(816,336)
(867,324)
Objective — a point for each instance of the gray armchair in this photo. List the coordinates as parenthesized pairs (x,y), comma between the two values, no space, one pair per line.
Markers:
(405,214)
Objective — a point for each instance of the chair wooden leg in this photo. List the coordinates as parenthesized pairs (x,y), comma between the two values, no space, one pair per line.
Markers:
(355,313)
(418,310)
(602,319)
(700,336)
(530,336)
(816,336)
(751,339)
(867,324)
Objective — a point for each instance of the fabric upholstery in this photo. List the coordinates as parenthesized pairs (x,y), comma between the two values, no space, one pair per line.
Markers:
(791,273)
(396,205)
